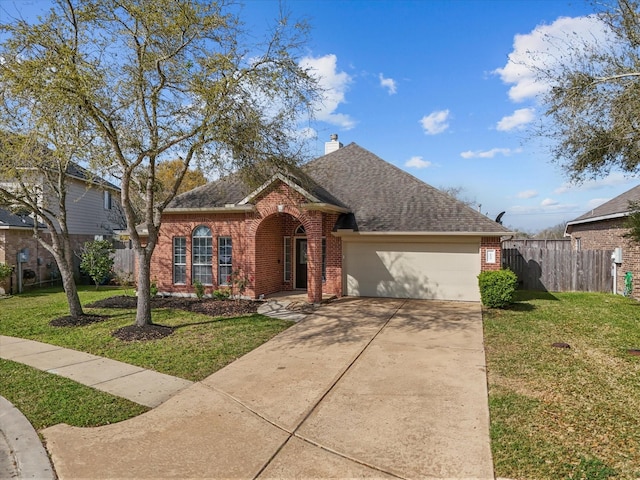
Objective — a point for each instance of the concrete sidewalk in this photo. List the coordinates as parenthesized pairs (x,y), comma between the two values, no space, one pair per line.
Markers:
(361,388)
(137,384)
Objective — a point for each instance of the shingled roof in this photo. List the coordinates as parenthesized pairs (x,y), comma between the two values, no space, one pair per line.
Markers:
(379,196)
(614,208)
(12,220)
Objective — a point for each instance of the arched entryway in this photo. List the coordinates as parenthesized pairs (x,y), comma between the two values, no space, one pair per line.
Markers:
(281,256)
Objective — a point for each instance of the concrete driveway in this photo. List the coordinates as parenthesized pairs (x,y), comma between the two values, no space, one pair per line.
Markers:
(379,388)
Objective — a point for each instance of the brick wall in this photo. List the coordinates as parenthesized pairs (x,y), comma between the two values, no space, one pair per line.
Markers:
(11,242)
(608,235)
(486,244)
(258,248)
(221,225)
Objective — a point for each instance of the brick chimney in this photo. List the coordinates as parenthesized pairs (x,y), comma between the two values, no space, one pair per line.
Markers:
(332,145)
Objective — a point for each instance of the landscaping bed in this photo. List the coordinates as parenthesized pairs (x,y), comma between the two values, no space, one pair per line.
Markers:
(205,306)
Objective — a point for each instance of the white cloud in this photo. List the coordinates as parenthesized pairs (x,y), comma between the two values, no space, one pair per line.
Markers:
(489,153)
(527,194)
(388,83)
(435,122)
(612,180)
(549,202)
(544,48)
(417,162)
(335,85)
(596,202)
(520,117)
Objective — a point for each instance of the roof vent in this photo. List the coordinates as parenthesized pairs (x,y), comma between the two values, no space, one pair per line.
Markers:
(332,145)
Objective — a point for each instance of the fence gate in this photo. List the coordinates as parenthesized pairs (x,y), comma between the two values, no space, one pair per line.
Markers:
(560,270)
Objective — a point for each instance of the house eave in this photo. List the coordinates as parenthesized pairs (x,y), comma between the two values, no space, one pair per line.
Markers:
(352,233)
(611,216)
(323,207)
(225,209)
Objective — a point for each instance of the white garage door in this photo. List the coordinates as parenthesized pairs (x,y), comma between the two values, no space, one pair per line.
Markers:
(443,271)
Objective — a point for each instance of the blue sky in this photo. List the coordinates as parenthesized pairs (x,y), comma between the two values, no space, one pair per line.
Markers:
(427,86)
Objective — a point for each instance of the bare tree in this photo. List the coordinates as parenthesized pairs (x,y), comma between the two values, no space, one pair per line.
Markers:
(164,79)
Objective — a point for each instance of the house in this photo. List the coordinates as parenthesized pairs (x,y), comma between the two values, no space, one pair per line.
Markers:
(92,212)
(347,223)
(603,229)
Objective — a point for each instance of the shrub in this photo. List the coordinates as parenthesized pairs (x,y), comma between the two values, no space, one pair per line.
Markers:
(199,289)
(97,260)
(497,288)
(153,288)
(222,294)
(5,271)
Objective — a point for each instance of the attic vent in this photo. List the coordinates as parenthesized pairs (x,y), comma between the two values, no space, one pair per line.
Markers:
(332,145)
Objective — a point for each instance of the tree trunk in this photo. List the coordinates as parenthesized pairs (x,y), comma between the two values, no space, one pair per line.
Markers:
(69,285)
(62,253)
(143,312)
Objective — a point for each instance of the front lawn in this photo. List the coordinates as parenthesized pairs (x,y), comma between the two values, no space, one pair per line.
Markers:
(569,413)
(199,346)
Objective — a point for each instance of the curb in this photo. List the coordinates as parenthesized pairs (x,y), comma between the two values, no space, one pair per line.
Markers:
(25,447)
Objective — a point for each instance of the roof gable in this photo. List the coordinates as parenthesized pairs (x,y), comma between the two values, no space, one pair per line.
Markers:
(385,198)
(614,208)
(378,196)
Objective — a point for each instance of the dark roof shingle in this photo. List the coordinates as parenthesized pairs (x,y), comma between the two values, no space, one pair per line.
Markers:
(380,196)
(10,219)
(617,206)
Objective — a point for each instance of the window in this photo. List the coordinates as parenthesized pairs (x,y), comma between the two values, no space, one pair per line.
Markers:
(287,259)
(578,244)
(224,261)
(300,230)
(202,255)
(106,199)
(180,260)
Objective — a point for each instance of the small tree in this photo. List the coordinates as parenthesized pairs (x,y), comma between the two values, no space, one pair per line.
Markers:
(97,260)
(633,223)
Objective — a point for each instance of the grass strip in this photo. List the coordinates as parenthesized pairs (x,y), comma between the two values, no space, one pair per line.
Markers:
(47,399)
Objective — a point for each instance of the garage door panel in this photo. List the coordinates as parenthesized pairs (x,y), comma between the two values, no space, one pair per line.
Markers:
(413,270)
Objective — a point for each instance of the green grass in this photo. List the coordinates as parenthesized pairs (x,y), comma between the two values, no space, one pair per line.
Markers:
(199,346)
(47,399)
(565,413)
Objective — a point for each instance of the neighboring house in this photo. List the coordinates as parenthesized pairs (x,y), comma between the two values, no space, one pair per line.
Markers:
(347,223)
(603,228)
(92,212)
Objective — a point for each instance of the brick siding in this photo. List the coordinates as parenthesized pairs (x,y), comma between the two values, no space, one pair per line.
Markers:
(608,235)
(258,246)
(14,240)
(490,243)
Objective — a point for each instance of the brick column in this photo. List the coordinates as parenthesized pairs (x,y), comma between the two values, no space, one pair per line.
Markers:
(314,257)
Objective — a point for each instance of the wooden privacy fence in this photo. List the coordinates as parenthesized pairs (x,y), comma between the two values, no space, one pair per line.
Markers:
(560,270)
(124,261)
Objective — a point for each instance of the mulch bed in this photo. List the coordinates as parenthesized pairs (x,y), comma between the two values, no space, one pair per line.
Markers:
(132,333)
(206,306)
(70,321)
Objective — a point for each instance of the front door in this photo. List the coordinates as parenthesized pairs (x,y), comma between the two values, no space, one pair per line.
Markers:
(301,263)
